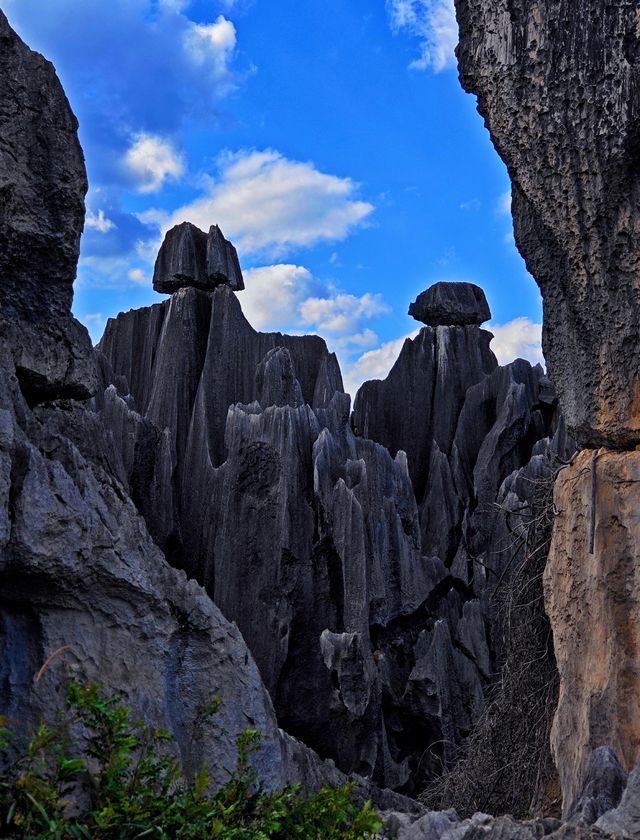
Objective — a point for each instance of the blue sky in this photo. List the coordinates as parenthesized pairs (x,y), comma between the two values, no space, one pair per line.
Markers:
(329,139)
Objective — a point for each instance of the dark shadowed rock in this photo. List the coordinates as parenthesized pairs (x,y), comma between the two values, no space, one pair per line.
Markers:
(79,571)
(42,187)
(558,84)
(223,265)
(190,257)
(449,304)
(605,782)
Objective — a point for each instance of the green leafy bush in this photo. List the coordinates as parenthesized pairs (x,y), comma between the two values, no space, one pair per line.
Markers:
(132,787)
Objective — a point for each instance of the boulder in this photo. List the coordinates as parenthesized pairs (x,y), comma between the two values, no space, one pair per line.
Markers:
(190,257)
(605,783)
(449,304)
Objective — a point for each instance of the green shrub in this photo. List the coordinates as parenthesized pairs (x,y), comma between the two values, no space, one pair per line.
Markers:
(134,789)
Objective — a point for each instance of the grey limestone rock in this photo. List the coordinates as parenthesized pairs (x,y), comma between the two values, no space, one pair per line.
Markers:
(80,574)
(605,782)
(624,820)
(558,84)
(299,530)
(42,187)
(447,304)
(190,257)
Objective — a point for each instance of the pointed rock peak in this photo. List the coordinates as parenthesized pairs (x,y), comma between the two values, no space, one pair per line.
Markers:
(276,381)
(451,304)
(190,257)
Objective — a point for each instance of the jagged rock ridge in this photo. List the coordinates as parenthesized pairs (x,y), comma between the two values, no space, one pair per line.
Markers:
(80,573)
(310,537)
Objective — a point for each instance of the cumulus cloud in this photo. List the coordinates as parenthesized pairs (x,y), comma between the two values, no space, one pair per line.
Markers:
(288,297)
(341,314)
(152,161)
(273,295)
(211,46)
(99,222)
(132,66)
(433,22)
(374,364)
(520,338)
(271,205)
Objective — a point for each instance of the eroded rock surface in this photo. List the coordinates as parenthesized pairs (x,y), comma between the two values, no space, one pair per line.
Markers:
(305,535)
(190,257)
(80,575)
(558,83)
(42,187)
(593,601)
(449,304)
(359,571)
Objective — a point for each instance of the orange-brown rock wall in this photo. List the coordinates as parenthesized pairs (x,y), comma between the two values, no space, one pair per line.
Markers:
(593,602)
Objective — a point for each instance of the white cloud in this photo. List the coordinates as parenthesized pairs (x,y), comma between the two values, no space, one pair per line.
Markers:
(434,23)
(520,338)
(374,364)
(342,313)
(270,205)
(504,204)
(289,297)
(152,161)
(273,294)
(93,318)
(137,276)
(211,47)
(95,323)
(99,222)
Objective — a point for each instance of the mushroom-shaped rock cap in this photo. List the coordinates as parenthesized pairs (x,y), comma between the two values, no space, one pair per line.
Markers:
(451,304)
(190,257)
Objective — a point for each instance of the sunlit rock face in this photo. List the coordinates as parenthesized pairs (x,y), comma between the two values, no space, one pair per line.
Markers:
(592,587)
(558,83)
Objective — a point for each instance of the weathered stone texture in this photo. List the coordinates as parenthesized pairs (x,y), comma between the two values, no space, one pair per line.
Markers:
(558,83)
(42,187)
(190,257)
(449,304)
(593,601)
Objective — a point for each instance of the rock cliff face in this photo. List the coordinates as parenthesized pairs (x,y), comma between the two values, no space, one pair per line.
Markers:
(42,187)
(303,534)
(558,83)
(592,593)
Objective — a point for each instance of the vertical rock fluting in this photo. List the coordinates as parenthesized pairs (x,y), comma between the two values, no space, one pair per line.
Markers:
(303,534)
(558,84)
(79,572)
(593,601)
